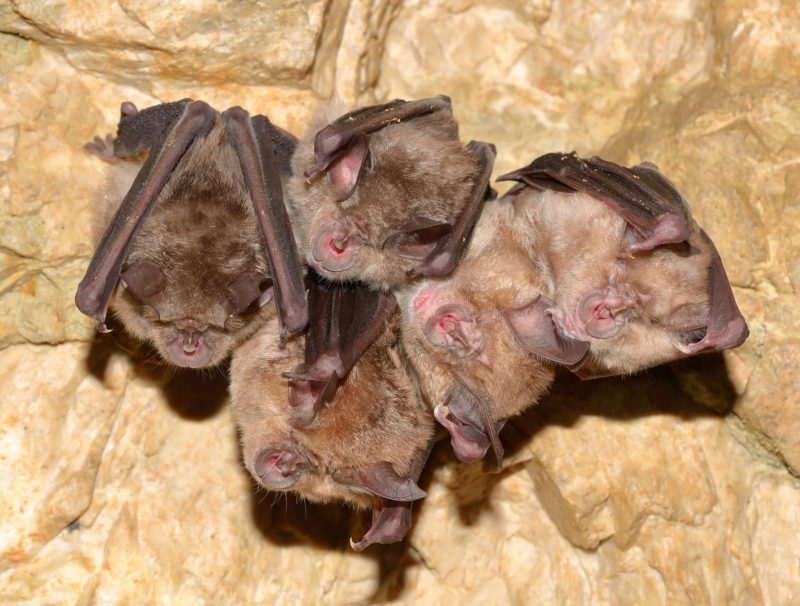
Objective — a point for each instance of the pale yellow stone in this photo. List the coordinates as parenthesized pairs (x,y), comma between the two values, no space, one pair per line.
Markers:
(122,483)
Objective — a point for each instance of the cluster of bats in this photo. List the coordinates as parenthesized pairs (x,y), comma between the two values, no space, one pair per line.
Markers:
(368,283)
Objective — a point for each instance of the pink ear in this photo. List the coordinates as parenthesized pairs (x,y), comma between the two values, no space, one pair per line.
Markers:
(535,332)
(344,170)
(452,326)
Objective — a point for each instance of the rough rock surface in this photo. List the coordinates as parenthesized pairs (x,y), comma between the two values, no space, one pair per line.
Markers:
(121,483)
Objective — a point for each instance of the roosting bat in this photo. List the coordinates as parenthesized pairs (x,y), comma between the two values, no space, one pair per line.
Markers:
(630,272)
(386,192)
(367,447)
(464,349)
(201,242)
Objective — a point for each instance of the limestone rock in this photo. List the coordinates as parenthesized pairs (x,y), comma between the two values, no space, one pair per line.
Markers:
(121,481)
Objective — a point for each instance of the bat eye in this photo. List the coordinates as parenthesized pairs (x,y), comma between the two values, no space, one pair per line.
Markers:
(144,280)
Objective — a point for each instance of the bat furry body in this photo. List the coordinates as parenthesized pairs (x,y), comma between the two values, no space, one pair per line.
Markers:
(366,447)
(195,276)
(629,272)
(391,197)
(462,348)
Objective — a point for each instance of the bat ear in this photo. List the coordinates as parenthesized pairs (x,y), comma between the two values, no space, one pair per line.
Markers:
(467,417)
(726,325)
(536,332)
(248,293)
(307,394)
(381,480)
(390,523)
(417,238)
(343,171)
(278,467)
(452,326)
(144,280)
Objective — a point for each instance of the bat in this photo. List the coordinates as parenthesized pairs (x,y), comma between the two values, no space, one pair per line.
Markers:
(630,272)
(198,247)
(366,447)
(387,192)
(461,346)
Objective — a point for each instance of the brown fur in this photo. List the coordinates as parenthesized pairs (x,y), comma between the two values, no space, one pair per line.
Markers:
(201,234)
(374,416)
(414,169)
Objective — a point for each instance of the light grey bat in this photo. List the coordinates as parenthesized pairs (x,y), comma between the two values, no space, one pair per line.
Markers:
(365,447)
(196,241)
(386,192)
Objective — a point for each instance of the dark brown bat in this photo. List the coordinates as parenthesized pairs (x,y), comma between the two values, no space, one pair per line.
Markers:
(367,447)
(386,192)
(456,337)
(630,272)
(201,242)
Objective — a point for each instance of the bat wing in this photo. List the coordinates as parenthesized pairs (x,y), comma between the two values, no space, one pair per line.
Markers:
(345,320)
(253,142)
(643,196)
(139,130)
(447,251)
(381,480)
(390,523)
(195,120)
(338,136)
(536,332)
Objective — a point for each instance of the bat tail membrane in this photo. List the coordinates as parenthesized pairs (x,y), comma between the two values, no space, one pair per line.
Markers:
(252,140)
(139,130)
(94,292)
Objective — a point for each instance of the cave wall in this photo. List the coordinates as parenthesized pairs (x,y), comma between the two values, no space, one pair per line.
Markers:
(121,481)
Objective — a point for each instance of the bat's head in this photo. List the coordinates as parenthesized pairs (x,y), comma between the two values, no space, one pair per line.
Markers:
(359,448)
(383,200)
(469,363)
(195,283)
(658,305)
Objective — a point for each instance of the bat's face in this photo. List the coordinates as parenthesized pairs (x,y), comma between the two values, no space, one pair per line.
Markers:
(470,366)
(195,283)
(654,307)
(380,208)
(357,449)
